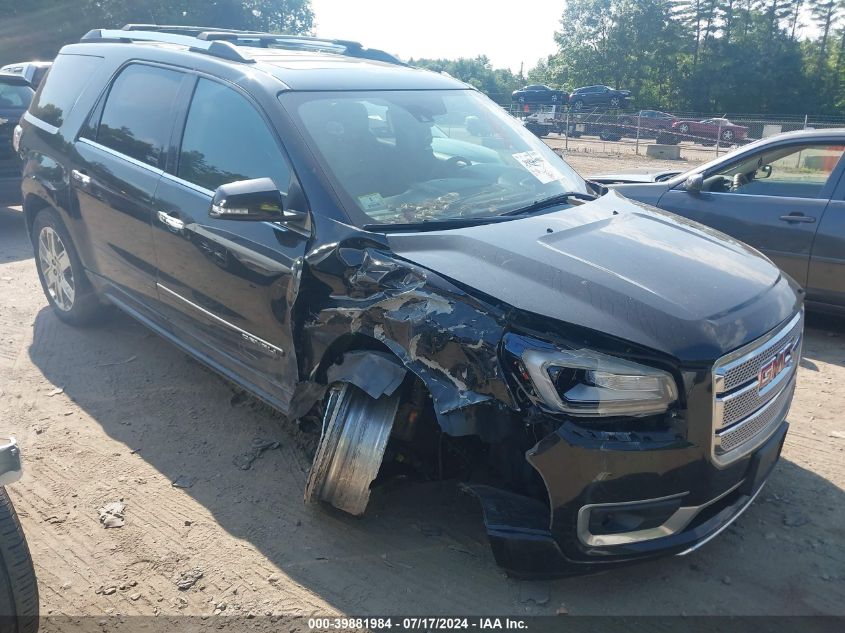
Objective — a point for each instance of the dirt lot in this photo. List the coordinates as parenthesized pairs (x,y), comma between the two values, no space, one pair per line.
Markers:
(118,414)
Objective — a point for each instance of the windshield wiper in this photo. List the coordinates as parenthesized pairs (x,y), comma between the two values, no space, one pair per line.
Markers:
(560,198)
(434,225)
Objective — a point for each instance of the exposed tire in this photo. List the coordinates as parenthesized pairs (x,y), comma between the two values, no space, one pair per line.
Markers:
(60,270)
(18,586)
(356,428)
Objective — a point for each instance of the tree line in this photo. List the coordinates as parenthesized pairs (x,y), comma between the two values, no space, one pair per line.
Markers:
(722,56)
(37,29)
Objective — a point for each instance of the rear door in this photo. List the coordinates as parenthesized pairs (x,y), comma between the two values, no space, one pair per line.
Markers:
(228,285)
(773,200)
(121,155)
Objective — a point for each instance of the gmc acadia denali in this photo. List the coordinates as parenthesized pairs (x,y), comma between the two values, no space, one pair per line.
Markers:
(313,220)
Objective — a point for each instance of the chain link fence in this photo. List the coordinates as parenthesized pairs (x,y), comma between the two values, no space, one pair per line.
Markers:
(652,133)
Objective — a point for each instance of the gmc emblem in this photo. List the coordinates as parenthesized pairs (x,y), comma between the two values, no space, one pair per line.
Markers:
(774,367)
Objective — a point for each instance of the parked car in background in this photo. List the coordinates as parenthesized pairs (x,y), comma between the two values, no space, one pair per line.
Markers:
(566,352)
(18,585)
(537,94)
(708,131)
(598,97)
(33,72)
(783,195)
(649,122)
(15,95)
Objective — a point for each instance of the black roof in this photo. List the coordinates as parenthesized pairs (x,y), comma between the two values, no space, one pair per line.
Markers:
(300,63)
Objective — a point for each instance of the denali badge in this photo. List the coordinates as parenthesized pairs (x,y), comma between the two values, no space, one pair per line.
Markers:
(774,367)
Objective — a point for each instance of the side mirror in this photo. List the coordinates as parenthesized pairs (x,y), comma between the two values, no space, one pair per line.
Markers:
(764,172)
(257,200)
(694,183)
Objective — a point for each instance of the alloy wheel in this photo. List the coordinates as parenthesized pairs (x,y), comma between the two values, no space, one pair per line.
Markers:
(56,268)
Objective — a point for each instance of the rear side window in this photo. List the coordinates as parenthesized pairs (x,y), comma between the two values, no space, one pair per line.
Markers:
(226,140)
(138,114)
(66,80)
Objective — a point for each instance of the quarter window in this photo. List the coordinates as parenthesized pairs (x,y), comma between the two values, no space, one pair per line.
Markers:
(65,81)
(226,140)
(138,113)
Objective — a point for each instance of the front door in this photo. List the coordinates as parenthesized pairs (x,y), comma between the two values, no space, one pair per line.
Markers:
(121,154)
(773,200)
(228,285)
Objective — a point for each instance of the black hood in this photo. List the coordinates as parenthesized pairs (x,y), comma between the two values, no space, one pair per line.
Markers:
(621,268)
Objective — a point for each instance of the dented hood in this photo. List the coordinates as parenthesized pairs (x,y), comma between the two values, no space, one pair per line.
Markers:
(621,268)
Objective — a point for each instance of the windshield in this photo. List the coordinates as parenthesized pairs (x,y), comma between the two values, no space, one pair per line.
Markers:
(407,157)
(14,96)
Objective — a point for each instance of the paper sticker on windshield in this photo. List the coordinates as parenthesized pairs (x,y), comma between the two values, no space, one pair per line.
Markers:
(539,167)
(371,201)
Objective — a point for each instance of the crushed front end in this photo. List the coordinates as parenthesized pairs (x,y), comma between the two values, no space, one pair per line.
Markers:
(638,460)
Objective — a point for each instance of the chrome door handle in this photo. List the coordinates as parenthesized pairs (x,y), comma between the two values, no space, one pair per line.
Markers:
(81,177)
(798,217)
(172,222)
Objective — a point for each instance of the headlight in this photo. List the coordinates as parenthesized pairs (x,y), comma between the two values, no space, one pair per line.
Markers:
(587,383)
(16,138)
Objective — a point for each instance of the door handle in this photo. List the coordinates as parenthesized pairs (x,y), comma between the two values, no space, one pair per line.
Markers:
(798,217)
(171,221)
(81,177)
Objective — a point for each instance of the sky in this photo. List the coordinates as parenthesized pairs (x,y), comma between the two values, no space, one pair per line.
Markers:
(508,32)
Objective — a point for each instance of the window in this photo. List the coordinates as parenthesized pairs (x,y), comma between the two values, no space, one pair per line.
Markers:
(66,80)
(411,156)
(793,171)
(226,140)
(13,96)
(138,113)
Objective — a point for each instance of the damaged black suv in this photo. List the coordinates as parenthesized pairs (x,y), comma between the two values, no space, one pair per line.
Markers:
(313,220)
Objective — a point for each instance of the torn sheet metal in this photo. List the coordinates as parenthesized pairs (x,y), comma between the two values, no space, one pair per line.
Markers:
(376,373)
(446,337)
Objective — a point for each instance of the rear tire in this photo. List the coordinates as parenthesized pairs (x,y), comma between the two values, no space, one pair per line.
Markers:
(60,270)
(18,586)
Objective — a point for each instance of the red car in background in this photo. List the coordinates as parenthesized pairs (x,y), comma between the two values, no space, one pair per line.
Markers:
(709,131)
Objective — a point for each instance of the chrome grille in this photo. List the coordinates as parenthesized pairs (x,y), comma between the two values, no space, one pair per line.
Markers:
(743,411)
(738,434)
(745,367)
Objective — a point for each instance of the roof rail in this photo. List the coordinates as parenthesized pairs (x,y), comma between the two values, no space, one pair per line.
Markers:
(216,48)
(269,40)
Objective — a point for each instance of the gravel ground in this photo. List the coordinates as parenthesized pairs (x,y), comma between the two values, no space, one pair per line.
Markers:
(116,414)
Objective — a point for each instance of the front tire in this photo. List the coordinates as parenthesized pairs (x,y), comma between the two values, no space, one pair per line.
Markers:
(60,270)
(18,586)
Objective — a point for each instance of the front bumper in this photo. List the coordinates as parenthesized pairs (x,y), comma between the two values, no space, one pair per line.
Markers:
(10,461)
(530,540)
